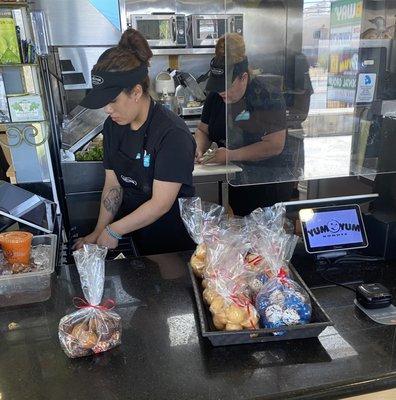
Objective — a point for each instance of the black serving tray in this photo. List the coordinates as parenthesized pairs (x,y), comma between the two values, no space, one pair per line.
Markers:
(319,321)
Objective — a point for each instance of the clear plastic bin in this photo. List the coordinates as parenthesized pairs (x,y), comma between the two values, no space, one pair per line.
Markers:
(29,287)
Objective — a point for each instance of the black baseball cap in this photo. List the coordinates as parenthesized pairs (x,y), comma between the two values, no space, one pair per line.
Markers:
(219,70)
(107,85)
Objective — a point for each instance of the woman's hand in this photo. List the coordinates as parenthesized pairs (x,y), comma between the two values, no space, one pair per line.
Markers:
(89,239)
(202,140)
(198,155)
(220,157)
(107,241)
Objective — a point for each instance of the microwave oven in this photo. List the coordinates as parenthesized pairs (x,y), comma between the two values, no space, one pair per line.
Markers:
(161,30)
(205,29)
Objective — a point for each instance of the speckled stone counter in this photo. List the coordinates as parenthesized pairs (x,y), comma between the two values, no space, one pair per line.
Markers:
(162,355)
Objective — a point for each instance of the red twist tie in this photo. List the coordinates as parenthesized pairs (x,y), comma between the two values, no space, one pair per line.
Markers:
(108,304)
(235,299)
(257,260)
(244,302)
(240,301)
(282,275)
(235,289)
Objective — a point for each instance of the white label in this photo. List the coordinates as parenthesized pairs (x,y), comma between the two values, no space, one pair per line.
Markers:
(365,88)
(26,108)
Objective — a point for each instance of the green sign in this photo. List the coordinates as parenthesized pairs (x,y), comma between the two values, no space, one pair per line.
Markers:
(346,12)
(342,82)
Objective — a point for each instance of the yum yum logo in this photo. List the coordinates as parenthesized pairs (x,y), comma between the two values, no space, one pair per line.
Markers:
(333,226)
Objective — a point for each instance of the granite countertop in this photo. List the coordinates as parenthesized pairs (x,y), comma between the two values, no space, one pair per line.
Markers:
(162,356)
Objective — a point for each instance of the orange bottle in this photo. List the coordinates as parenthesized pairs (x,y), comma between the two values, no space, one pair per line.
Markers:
(16,246)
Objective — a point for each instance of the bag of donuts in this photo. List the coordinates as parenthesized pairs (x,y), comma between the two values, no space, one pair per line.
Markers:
(198,217)
(272,250)
(259,224)
(271,244)
(279,300)
(282,301)
(94,327)
(226,284)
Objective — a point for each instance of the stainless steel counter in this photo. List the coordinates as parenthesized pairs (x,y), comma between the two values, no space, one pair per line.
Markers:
(84,180)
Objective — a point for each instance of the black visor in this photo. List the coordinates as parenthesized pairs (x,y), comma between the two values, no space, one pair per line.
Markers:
(107,85)
(217,73)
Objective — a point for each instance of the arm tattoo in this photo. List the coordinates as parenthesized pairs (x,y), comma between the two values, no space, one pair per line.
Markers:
(112,199)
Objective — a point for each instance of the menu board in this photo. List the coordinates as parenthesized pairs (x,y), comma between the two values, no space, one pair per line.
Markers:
(345,27)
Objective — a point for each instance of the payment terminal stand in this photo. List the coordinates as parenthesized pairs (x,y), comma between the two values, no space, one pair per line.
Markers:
(329,251)
(333,235)
(344,262)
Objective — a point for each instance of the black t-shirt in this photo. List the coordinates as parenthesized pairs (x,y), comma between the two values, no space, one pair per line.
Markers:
(261,111)
(169,142)
(253,124)
(214,115)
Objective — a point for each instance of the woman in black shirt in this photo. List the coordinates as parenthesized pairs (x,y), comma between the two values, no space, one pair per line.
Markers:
(256,129)
(148,154)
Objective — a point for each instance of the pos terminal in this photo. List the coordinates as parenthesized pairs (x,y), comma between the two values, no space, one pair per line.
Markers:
(336,228)
(334,231)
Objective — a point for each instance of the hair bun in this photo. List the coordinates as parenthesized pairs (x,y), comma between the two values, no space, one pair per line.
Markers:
(132,40)
(233,45)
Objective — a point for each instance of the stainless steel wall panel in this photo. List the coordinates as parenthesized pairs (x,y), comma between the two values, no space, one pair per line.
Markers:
(150,6)
(77,23)
(83,176)
(83,59)
(264,28)
(196,65)
(200,6)
(176,6)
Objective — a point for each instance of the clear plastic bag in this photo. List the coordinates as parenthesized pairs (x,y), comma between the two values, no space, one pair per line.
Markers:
(233,313)
(274,251)
(281,301)
(226,284)
(261,226)
(271,247)
(271,218)
(278,299)
(93,328)
(199,217)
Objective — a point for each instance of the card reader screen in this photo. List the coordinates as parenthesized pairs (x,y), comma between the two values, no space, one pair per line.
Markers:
(333,228)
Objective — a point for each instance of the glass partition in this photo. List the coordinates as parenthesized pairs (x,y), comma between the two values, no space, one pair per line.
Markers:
(318,96)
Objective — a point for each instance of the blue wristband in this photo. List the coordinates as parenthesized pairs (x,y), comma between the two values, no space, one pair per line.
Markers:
(113,234)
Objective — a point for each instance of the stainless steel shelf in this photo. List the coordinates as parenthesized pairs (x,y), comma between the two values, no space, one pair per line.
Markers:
(23,122)
(19,65)
(183,51)
(13,4)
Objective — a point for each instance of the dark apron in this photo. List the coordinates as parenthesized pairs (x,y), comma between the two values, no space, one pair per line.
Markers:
(136,177)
